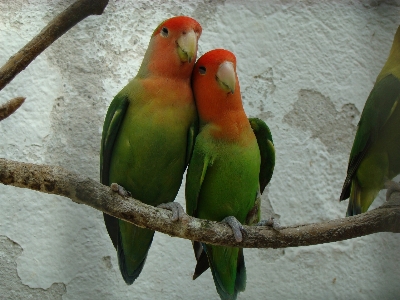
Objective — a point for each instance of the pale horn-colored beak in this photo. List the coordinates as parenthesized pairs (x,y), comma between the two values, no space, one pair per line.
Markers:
(187,46)
(226,76)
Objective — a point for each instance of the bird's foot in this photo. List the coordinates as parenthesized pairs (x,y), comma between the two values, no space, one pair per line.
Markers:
(236,226)
(272,222)
(392,187)
(115,187)
(178,212)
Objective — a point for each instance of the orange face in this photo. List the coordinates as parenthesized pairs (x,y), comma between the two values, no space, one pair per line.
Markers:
(216,91)
(215,84)
(173,47)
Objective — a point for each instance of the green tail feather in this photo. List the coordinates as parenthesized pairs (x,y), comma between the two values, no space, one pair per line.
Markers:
(132,256)
(240,281)
(360,198)
(128,278)
(354,207)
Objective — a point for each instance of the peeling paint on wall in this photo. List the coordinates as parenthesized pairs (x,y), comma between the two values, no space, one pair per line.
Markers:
(316,113)
(13,287)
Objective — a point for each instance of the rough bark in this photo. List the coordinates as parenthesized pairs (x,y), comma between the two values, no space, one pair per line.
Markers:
(56,180)
(10,107)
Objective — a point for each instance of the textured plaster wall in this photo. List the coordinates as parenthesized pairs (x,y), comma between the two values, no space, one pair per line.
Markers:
(305,67)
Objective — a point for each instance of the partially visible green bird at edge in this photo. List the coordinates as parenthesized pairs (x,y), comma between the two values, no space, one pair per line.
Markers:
(375,156)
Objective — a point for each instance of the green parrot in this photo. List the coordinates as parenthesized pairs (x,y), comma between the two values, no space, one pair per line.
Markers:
(232,162)
(375,156)
(148,134)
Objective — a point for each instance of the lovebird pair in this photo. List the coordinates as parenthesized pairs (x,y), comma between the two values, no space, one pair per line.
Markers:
(175,113)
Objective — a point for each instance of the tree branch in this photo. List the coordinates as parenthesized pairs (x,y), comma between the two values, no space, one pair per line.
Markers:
(56,28)
(56,180)
(10,107)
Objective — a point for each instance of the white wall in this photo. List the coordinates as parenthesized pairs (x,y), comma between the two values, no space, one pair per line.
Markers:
(305,67)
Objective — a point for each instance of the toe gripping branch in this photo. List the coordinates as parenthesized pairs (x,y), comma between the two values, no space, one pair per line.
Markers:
(178,213)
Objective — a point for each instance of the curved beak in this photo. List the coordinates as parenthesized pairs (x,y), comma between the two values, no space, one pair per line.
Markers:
(187,46)
(226,76)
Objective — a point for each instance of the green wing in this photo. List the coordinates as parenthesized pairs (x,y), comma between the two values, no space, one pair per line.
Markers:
(191,137)
(112,123)
(267,150)
(380,104)
(194,179)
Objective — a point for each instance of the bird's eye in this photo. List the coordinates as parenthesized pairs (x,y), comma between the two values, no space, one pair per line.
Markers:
(164,31)
(202,70)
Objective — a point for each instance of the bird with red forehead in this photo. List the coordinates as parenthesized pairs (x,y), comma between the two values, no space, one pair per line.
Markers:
(232,162)
(148,135)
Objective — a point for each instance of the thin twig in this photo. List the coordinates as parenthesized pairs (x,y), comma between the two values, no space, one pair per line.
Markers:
(10,107)
(56,28)
(56,180)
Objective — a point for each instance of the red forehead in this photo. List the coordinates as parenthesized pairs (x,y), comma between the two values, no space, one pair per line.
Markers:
(216,57)
(178,24)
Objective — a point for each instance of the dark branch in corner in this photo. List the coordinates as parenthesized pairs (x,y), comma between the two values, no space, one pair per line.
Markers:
(10,107)
(56,180)
(56,28)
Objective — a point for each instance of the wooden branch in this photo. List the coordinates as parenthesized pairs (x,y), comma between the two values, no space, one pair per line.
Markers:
(56,28)
(10,107)
(56,180)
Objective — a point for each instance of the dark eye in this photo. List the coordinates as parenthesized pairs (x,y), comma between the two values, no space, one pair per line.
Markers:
(164,31)
(202,70)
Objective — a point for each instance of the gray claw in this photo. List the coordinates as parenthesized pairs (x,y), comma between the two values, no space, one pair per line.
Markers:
(115,187)
(236,226)
(270,222)
(178,212)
